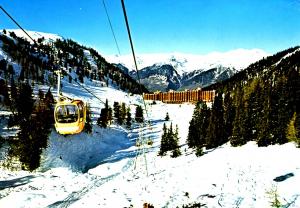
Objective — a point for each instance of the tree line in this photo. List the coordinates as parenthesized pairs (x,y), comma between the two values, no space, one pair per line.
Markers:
(120,113)
(259,104)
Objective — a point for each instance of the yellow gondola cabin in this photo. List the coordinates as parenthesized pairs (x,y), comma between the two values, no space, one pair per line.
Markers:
(69,116)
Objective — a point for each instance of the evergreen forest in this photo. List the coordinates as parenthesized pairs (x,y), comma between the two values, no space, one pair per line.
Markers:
(260,103)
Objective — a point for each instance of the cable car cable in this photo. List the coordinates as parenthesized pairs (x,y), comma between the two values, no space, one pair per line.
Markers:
(85,88)
(16,23)
(139,81)
(37,44)
(111,27)
(133,54)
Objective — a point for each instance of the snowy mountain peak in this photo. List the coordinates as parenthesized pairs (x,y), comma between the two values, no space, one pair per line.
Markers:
(179,71)
(238,59)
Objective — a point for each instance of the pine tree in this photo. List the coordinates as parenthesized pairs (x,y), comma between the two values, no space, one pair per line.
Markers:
(192,138)
(49,99)
(169,141)
(229,114)
(297,126)
(216,134)
(123,113)
(4,92)
(88,128)
(254,112)
(102,120)
(128,118)
(3,66)
(117,112)
(33,138)
(237,138)
(11,71)
(167,118)
(139,117)
(105,116)
(109,115)
(280,113)
(265,136)
(164,140)
(175,147)
(24,102)
(198,126)
(80,77)
(13,96)
(292,132)
(41,95)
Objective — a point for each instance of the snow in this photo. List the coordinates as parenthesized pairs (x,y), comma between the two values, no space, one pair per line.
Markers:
(49,37)
(184,63)
(106,169)
(287,55)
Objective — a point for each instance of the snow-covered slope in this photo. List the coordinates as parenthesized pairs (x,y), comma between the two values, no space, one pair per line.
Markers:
(49,37)
(246,176)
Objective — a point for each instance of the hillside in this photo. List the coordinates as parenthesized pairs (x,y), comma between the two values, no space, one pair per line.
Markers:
(38,61)
(260,103)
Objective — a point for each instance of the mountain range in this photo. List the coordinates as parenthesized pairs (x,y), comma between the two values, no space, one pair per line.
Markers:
(158,72)
(177,71)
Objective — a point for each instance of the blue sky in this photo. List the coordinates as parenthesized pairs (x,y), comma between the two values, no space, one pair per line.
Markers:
(163,26)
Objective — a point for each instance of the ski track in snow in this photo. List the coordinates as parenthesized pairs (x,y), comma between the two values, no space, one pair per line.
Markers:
(74,196)
(99,181)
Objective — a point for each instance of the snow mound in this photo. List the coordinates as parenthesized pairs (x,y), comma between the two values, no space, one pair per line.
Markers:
(82,151)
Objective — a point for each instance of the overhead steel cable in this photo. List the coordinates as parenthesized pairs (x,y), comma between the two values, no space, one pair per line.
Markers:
(37,44)
(86,89)
(111,27)
(140,88)
(133,54)
(16,23)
